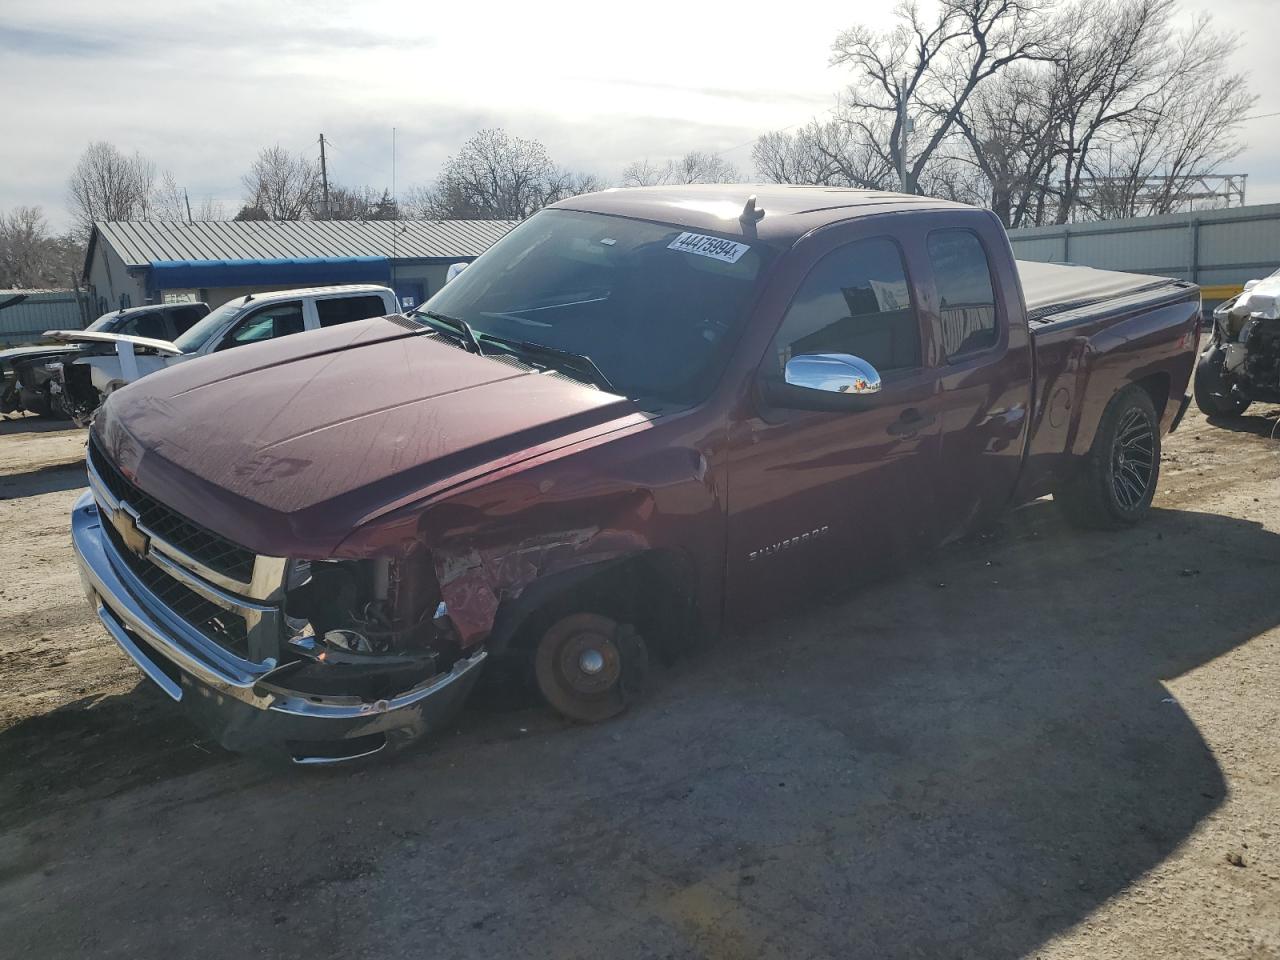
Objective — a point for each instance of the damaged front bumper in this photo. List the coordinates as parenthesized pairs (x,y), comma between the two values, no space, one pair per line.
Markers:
(234,698)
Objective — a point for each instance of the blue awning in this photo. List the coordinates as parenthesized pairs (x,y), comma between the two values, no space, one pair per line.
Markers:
(303,272)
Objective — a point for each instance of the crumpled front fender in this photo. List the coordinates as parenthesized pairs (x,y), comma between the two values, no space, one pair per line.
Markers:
(475,582)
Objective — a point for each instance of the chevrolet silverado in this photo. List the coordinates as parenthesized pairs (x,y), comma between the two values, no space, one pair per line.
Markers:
(642,415)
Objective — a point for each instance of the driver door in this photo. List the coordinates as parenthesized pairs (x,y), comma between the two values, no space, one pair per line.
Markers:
(821,498)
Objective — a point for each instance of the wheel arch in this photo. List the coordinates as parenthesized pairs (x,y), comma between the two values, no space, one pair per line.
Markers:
(651,589)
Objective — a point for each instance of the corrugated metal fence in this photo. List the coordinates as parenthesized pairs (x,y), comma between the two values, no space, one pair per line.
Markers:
(1218,249)
(26,314)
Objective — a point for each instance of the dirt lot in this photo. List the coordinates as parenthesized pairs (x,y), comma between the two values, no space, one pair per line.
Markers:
(1039,743)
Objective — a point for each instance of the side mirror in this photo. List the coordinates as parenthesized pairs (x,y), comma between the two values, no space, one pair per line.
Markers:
(824,381)
(832,373)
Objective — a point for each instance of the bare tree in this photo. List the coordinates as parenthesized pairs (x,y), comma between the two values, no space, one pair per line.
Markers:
(1096,109)
(643,173)
(935,65)
(281,185)
(1010,129)
(356,203)
(209,208)
(168,202)
(418,202)
(107,185)
(824,153)
(696,166)
(1138,101)
(31,256)
(498,176)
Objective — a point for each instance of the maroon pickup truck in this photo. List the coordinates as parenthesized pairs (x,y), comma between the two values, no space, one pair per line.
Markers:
(641,415)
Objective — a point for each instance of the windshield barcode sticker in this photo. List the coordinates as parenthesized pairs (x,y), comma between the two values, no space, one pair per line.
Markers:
(716,248)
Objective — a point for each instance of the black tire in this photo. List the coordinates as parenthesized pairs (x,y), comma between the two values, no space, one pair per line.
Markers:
(1213,396)
(589,667)
(1113,485)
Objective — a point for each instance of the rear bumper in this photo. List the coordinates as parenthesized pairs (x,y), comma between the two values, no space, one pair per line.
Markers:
(234,699)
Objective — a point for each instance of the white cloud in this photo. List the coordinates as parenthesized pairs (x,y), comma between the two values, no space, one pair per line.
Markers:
(200,87)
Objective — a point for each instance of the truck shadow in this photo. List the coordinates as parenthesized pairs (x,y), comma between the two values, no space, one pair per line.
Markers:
(50,478)
(30,423)
(1259,420)
(962,761)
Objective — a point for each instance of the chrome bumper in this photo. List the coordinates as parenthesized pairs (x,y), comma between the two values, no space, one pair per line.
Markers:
(232,697)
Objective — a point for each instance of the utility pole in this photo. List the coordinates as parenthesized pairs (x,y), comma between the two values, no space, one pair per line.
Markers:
(324,180)
(392,264)
(188,201)
(902,136)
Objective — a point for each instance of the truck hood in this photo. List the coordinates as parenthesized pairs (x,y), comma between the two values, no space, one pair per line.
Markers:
(86,336)
(287,447)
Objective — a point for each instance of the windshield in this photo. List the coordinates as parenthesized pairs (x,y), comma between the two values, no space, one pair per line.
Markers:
(104,323)
(654,307)
(197,334)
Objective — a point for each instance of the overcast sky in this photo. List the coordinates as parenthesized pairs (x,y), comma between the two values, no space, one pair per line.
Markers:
(199,88)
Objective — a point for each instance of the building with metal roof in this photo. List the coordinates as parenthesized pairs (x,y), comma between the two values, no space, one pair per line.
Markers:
(26,314)
(128,263)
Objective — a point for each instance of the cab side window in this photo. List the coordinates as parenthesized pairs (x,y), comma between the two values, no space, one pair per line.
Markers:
(146,325)
(267,323)
(855,301)
(336,310)
(967,303)
(184,318)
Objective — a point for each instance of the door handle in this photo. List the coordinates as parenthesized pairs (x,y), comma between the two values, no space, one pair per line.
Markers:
(910,423)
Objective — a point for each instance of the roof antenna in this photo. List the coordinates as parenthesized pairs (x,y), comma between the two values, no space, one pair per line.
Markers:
(750,213)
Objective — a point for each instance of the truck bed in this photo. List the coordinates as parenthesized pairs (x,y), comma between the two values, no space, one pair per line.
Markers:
(1057,293)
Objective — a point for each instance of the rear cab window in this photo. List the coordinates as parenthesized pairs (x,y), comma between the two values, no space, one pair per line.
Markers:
(856,301)
(966,299)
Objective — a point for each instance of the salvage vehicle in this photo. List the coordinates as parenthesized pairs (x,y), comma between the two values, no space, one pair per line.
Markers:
(642,415)
(120,358)
(30,376)
(1242,361)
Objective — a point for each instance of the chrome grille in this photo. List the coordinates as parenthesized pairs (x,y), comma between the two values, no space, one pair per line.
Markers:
(223,627)
(219,589)
(214,551)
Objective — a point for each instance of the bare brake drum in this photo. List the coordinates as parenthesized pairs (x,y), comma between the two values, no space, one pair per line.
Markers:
(589,666)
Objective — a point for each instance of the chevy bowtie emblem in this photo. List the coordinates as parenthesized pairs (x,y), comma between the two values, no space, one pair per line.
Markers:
(126,524)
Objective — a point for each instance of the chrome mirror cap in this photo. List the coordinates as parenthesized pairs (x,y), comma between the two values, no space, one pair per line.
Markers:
(833,373)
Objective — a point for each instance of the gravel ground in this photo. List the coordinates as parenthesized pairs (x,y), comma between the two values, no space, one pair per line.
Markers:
(1037,743)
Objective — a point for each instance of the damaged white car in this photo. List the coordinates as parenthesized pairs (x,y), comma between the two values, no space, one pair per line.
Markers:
(1242,362)
(120,359)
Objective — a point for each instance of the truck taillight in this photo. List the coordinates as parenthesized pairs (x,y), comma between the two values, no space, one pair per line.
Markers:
(1191,339)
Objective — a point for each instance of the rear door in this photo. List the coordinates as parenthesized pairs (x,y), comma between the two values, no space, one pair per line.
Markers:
(826,498)
(986,367)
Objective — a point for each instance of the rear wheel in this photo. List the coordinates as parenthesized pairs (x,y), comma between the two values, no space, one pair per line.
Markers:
(1114,484)
(1214,396)
(589,666)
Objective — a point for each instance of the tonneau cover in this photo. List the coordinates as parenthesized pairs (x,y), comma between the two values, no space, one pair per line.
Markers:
(1053,288)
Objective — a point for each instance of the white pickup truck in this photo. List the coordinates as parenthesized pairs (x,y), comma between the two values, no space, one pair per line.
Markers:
(122,359)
